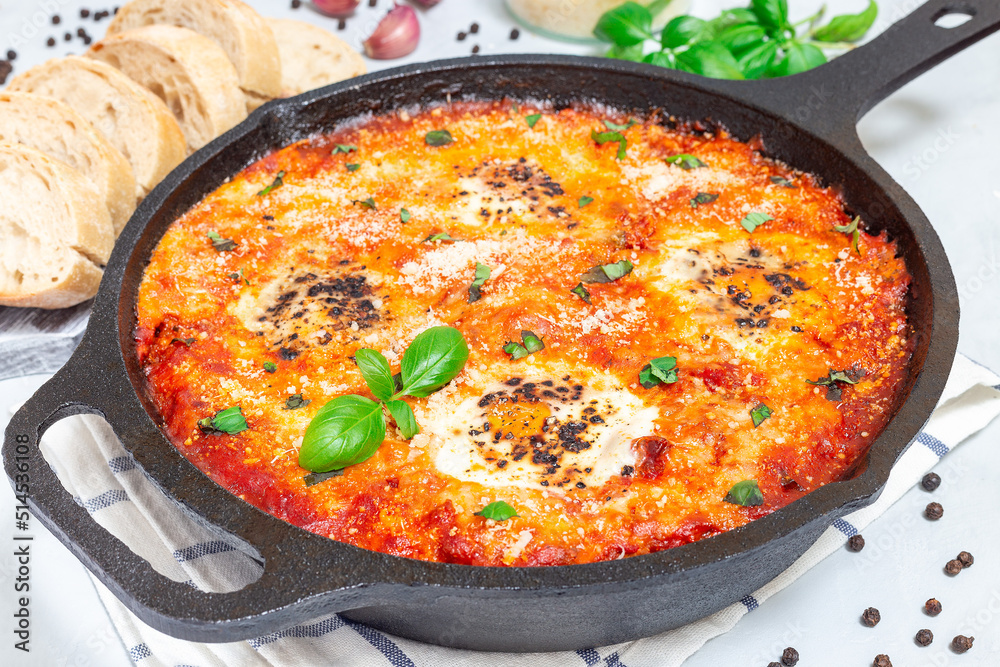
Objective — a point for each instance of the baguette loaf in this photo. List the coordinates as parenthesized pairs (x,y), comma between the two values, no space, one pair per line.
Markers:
(135,121)
(312,57)
(55,129)
(233,25)
(189,72)
(55,228)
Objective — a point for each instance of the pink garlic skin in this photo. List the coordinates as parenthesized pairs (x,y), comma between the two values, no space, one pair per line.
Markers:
(396,35)
(426,4)
(335,7)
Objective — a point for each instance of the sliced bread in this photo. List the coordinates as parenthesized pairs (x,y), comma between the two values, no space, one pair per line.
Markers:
(55,228)
(135,121)
(233,25)
(188,71)
(312,57)
(55,129)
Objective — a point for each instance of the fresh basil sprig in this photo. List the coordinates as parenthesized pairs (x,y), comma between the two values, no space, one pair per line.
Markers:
(746,494)
(602,138)
(276,183)
(220,244)
(834,389)
(685,161)
(759,414)
(754,42)
(476,288)
(703,198)
(581,292)
(754,219)
(438,138)
(853,230)
(532,119)
(230,420)
(607,273)
(530,343)
(658,371)
(349,429)
(498,510)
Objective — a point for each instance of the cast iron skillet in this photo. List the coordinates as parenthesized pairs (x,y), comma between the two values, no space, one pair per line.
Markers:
(807,120)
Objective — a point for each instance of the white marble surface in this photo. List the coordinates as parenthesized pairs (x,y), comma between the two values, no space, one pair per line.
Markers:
(939,137)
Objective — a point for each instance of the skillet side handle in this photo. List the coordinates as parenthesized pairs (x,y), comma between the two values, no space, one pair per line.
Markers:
(847,87)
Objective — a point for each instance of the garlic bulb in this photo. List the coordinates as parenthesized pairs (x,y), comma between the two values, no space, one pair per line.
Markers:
(395,36)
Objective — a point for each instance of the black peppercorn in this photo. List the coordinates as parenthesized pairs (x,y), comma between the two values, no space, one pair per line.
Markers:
(87,40)
(924,637)
(11,54)
(51,41)
(474,28)
(515,33)
(932,607)
(475,49)
(296,4)
(856,543)
(774,664)
(961,643)
(931,481)
(934,511)
(461,36)
(84,13)
(5,69)
(789,657)
(56,19)
(953,567)
(67,37)
(341,24)
(871,617)
(965,558)
(881,660)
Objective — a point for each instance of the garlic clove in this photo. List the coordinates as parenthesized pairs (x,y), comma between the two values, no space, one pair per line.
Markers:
(426,4)
(335,7)
(396,35)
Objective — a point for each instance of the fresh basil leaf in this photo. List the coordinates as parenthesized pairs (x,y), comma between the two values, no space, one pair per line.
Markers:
(276,183)
(515,350)
(344,148)
(476,288)
(783,182)
(754,219)
(607,273)
(604,137)
(741,38)
(532,343)
(772,14)
(627,25)
(270,366)
(798,58)
(433,360)
(709,59)
(404,216)
(397,382)
(661,59)
(833,390)
(345,431)
(581,292)
(314,478)
(366,203)
(295,401)
(745,493)
(757,60)
(848,27)
(230,420)
(620,128)
(532,119)
(853,230)
(759,414)
(352,167)
(659,371)
(703,198)
(438,138)
(632,53)
(220,244)
(375,370)
(685,161)
(405,420)
(498,510)
(583,201)
(440,236)
(683,30)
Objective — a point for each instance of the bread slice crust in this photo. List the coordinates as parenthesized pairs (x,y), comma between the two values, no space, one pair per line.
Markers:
(312,57)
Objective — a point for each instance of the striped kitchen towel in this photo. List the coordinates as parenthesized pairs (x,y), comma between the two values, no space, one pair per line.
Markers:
(95,468)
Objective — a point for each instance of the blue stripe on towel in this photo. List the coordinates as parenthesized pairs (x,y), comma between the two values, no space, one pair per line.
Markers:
(932,443)
(386,646)
(203,549)
(324,627)
(845,527)
(589,656)
(106,499)
(139,652)
(750,602)
(121,464)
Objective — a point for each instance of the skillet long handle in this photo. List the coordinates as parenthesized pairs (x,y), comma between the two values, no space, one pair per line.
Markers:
(846,88)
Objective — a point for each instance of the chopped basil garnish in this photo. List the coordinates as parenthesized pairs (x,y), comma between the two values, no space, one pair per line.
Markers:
(353,166)
(532,119)
(783,182)
(349,429)
(220,244)
(314,478)
(276,183)
(475,289)
(581,292)
(754,219)
(834,391)
(344,148)
(604,137)
(703,198)
(229,421)
(187,341)
(583,201)
(295,401)
(529,343)
(685,161)
(745,494)
(498,510)
(366,203)
(270,366)
(620,128)
(404,216)
(440,236)
(607,273)
(438,138)
(759,414)
(658,371)
(853,230)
